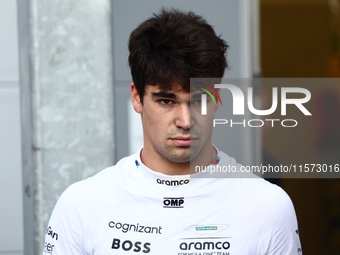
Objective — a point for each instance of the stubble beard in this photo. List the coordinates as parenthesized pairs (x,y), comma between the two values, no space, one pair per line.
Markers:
(181,154)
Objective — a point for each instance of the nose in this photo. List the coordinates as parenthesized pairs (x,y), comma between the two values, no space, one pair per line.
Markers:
(183,118)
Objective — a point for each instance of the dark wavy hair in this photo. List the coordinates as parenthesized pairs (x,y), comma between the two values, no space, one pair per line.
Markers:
(173,46)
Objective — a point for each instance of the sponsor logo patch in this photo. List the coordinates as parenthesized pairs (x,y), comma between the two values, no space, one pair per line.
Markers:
(206,245)
(48,248)
(51,233)
(172,183)
(125,227)
(128,245)
(205,230)
(173,202)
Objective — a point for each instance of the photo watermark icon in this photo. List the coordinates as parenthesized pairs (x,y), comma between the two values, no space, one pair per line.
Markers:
(239,103)
(276,127)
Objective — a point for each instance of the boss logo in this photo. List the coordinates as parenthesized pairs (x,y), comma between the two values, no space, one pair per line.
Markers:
(128,245)
(173,202)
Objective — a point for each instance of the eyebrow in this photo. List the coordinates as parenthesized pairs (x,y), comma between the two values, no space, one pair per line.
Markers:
(164,95)
(197,95)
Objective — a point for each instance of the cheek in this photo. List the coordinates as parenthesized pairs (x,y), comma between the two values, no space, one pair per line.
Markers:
(153,121)
(210,116)
(204,121)
(154,114)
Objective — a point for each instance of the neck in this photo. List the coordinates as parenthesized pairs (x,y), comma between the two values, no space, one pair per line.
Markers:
(157,162)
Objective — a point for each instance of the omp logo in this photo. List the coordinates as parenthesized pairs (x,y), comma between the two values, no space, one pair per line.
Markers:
(128,245)
(173,202)
(173,182)
(204,246)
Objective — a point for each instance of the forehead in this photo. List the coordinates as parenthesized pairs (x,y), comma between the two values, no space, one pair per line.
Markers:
(176,90)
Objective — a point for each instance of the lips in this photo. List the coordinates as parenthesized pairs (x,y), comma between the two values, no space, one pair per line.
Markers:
(183,141)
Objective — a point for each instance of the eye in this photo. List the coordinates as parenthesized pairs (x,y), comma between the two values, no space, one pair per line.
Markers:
(196,102)
(165,101)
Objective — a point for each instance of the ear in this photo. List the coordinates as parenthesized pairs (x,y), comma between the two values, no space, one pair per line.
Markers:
(135,98)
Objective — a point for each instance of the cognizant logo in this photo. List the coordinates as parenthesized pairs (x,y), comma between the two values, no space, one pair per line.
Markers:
(239,102)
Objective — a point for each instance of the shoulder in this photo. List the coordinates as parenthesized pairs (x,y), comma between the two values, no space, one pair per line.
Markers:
(269,213)
(276,220)
(99,189)
(79,207)
(264,196)
(95,193)
(269,202)
(250,189)
(84,199)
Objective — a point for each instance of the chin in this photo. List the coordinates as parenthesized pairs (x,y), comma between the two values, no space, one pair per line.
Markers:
(180,160)
(180,154)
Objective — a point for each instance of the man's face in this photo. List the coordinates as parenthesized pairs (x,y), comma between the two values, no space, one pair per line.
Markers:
(172,122)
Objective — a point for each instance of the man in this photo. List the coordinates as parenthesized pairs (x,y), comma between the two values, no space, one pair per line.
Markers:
(148,203)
